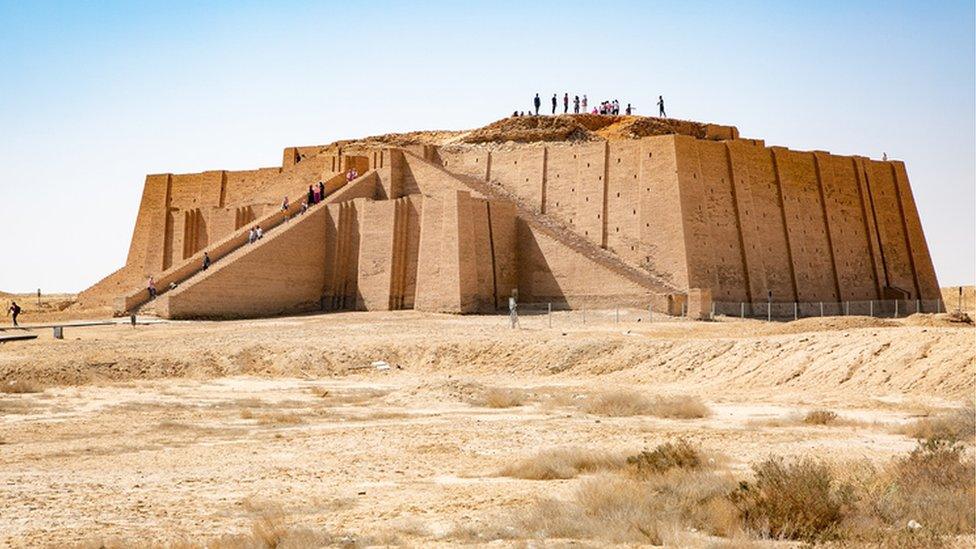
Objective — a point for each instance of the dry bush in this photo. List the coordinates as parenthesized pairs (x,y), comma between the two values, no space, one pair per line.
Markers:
(626,510)
(247,413)
(280,419)
(680,407)
(670,455)
(20,386)
(934,485)
(959,424)
(619,404)
(631,403)
(820,417)
(792,500)
(501,397)
(562,463)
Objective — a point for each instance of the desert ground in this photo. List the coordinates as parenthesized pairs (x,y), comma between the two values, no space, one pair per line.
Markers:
(406,428)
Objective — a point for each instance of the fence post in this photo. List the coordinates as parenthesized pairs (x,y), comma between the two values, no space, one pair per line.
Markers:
(821,309)
(769,311)
(794,310)
(871,308)
(742,309)
(918,303)
(550,314)
(896,308)
(847,308)
(938,305)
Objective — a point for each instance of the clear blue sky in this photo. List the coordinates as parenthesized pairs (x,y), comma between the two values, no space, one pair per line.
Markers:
(94,95)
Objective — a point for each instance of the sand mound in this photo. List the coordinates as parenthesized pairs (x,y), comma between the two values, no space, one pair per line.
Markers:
(580,127)
(832,323)
(525,129)
(953,319)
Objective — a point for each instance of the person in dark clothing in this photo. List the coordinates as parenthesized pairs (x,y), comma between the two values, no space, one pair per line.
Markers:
(15,310)
(206,261)
(538,103)
(554,101)
(576,105)
(565,103)
(311,195)
(629,110)
(660,106)
(321,191)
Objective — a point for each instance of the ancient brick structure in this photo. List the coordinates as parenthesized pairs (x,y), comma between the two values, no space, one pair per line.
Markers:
(686,217)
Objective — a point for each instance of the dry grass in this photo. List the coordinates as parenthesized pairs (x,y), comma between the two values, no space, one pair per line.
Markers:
(620,509)
(680,454)
(289,418)
(820,417)
(20,386)
(959,424)
(562,463)
(631,403)
(792,500)
(934,485)
(501,397)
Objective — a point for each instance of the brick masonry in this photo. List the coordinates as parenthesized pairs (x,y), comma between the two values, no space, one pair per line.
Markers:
(717,219)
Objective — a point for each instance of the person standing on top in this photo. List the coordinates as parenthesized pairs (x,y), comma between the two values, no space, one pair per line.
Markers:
(258,233)
(321,191)
(151,287)
(576,105)
(538,103)
(251,236)
(206,261)
(660,106)
(629,109)
(584,102)
(14,310)
(554,101)
(311,195)
(284,204)
(565,103)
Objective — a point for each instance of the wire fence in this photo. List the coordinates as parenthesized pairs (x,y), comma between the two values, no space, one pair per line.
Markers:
(553,315)
(879,308)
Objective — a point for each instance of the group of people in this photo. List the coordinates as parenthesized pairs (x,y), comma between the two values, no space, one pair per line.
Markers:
(610,107)
(316,194)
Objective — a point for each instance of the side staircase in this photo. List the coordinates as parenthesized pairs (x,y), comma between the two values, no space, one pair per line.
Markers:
(191,269)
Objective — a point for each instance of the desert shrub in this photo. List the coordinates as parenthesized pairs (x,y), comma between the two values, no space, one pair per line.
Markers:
(631,403)
(623,509)
(957,424)
(670,455)
(618,404)
(792,500)
(820,417)
(562,463)
(934,485)
(280,419)
(680,407)
(18,386)
(501,397)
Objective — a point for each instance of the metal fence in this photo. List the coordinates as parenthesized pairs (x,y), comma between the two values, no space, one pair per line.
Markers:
(553,315)
(880,308)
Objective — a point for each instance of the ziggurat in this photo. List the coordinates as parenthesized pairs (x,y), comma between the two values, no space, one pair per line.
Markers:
(578,211)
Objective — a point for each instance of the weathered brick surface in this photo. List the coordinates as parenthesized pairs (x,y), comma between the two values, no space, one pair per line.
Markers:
(731,219)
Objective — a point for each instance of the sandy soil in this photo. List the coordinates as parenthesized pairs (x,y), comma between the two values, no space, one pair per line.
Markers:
(192,430)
